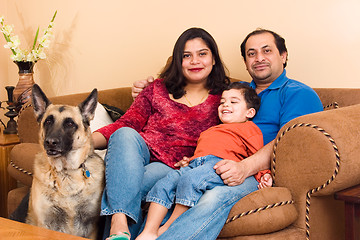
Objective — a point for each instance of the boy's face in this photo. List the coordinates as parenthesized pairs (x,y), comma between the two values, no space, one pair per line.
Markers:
(233,107)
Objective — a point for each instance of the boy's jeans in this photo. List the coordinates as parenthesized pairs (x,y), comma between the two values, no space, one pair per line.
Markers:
(188,184)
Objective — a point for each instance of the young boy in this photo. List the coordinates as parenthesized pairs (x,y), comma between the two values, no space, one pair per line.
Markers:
(235,139)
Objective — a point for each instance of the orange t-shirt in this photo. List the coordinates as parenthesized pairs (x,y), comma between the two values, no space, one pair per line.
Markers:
(233,141)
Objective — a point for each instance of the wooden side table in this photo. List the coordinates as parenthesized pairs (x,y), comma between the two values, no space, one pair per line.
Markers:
(11,230)
(7,183)
(351,197)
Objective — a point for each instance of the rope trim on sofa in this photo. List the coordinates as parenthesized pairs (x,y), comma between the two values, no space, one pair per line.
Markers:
(279,204)
(309,193)
(25,106)
(334,104)
(20,169)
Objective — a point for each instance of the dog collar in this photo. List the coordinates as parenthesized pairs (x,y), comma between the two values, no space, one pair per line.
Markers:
(86,172)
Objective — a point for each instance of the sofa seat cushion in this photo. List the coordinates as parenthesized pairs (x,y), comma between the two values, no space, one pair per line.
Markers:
(15,196)
(264,211)
(22,160)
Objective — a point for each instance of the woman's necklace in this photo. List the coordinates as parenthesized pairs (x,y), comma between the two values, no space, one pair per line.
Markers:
(191,105)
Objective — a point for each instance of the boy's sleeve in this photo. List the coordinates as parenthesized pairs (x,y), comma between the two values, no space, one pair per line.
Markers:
(261,173)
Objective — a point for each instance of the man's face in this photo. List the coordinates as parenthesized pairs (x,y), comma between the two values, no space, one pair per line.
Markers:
(263,60)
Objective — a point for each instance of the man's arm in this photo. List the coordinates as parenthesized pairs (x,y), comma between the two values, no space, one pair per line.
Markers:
(234,173)
(139,85)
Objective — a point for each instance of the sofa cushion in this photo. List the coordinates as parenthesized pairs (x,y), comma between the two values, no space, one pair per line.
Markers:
(15,196)
(101,119)
(263,211)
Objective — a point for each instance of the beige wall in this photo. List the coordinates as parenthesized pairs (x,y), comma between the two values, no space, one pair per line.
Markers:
(107,44)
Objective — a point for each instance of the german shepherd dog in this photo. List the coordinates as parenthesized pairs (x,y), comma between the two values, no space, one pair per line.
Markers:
(68,176)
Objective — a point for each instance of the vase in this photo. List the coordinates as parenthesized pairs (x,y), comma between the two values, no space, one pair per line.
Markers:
(22,91)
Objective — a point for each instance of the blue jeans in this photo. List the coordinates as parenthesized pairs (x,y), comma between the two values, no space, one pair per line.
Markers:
(188,184)
(206,219)
(129,176)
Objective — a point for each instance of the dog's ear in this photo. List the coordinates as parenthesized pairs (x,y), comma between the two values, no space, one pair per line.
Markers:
(87,107)
(39,101)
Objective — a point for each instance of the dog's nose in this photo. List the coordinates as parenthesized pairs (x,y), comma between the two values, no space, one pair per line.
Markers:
(52,142)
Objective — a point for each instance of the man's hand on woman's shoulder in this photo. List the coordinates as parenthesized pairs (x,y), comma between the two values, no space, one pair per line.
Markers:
(139,85)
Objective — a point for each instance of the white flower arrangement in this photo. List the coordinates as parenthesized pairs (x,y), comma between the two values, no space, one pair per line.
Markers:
(37,51)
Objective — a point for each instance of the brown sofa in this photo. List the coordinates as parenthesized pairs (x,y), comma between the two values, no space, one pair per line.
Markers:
(315,156)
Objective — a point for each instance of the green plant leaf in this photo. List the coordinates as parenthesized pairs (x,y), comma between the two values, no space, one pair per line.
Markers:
(52,20)
(36,37)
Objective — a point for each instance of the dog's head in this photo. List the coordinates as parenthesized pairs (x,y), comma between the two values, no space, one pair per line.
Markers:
(63,129)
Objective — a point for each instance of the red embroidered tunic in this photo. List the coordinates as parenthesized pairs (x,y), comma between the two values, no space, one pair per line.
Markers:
(170,129)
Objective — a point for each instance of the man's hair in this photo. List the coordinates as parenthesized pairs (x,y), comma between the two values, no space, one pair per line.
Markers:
(173,75)
(279,41)
(251,98)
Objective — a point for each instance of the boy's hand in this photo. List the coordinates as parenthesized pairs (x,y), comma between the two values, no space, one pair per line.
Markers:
(139,85)
(183,163)
(265,181)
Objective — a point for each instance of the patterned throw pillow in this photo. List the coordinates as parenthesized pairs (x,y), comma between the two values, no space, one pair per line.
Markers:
(114,112)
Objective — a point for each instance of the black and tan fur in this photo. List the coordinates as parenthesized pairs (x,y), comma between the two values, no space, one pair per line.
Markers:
(62,198)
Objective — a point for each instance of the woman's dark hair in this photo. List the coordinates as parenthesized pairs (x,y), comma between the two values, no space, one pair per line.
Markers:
(279,41)
(251,98)
(173,76)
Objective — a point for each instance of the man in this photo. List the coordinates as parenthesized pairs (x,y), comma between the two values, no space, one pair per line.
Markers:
(282,99)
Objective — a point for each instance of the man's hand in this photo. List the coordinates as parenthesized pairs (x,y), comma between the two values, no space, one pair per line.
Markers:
(265,181)
(139,85)
(183,163)
(231,172)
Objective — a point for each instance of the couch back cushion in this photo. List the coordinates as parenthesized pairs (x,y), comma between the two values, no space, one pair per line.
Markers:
(342,96)
(121,98)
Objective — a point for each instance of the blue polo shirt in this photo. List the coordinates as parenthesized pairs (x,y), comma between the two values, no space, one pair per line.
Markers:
(284,100)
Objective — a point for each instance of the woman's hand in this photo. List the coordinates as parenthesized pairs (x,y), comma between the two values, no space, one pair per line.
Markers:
(99,141)
(139,85)
(231,172)
(183,163)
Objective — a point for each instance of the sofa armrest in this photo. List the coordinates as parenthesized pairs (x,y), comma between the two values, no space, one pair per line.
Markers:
(317,155)
(28,127)
(320,148)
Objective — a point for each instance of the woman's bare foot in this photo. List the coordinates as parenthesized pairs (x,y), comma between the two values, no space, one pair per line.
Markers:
(147,236)
(119,225)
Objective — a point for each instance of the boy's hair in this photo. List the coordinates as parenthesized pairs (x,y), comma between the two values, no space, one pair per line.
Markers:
(250,95)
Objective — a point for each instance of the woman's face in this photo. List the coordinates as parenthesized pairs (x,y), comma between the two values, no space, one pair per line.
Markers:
(197,62)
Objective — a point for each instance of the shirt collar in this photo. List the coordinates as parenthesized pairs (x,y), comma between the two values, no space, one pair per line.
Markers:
(279,82)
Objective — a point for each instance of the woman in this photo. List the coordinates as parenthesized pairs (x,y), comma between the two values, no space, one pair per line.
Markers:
(160,128)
